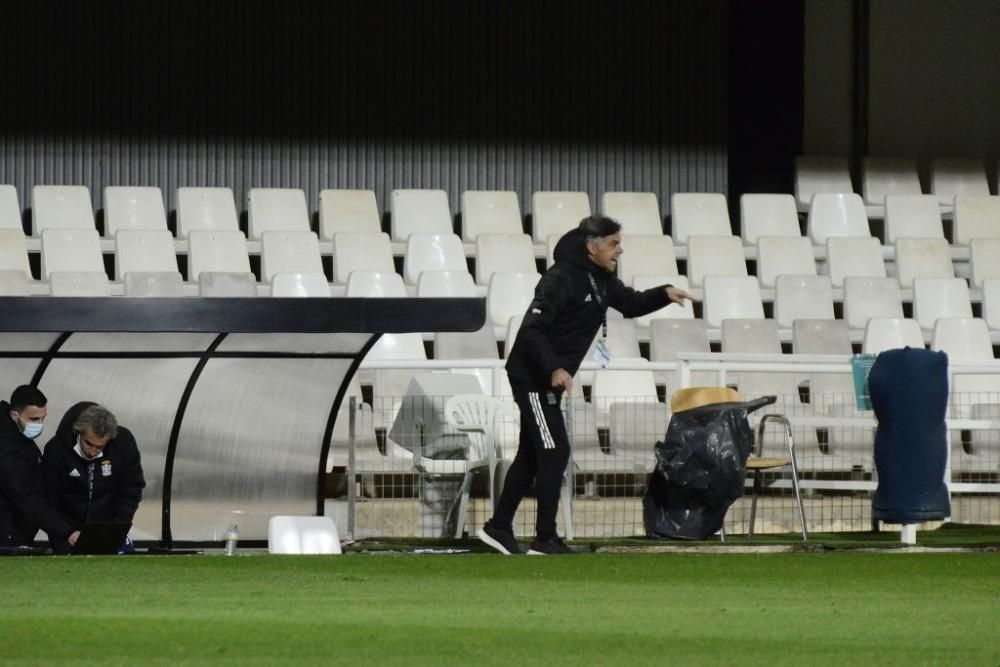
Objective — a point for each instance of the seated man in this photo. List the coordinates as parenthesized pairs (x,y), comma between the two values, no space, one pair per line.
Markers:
(20,476)
(91,471)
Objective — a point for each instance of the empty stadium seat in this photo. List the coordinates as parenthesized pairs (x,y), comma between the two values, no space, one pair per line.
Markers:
(13,283)
(671,310)
(668,337)
(637,212)
(61,207)
(276,210)
(14,251)
(143,250)
(432,252)
(953,177)
(555,213)
(147,284)
(347,211)
(698,213)
(299,284)
(223,284)
(480,344)
(888,333)
(503,252)
(375,284)
(10,209)
(646,254)
(834,215)
(510,335)
(731,297)
(816,174)
(446,284)
(133,207)
(622,339)
(935,298)
(489,212)
(767,215)
(991,302)
(217,250)
(78,283)
(912,216)
(76,250)
(509,294)
(865,298)
(206,209)
(802,297)
(361,251)
(964,339)
(289,252)
(854,257)
(922,258)
(976,218)
(750,336)
(783,256)
(714,256)
(823,336)
(419,211)
(984,260)
(884,177)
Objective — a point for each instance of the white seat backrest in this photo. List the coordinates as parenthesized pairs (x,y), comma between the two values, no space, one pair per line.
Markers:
(865,298)
(612,385)
(821,337)
(347,211)
(297,535)
(513,326)
(131,207)
(991,302)
(884,177)
(299,284)
(446,284)
(509,294)
(646,254)
(922,258)
(503,252)
(622,339)
(668,337)
(836,215)
(962,338)
(767,215)
(490,212)
(144,250)
(432,252)
(361,251)
(61,207)
(671,310)
(375,284)
(147,284)
(820,174)
(206,209)
(984,260)
(289,252)
(479,344)
(14,251)
(714,256)
(217,250)
(71,250)
(222,284)
(952,177)
(976,217)
(934,298)
(752,336)
(10,209)
(555,213)
(802,297)
(784,256)
(398,346)
(888,333)
(731,297)
(854,256)
(698,214)
(79,283)
(13,283)
(909,216)
(636,212)
(419,211)
(276,209)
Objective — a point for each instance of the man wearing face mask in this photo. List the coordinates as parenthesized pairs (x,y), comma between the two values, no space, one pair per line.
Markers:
(20,477)
(91,471)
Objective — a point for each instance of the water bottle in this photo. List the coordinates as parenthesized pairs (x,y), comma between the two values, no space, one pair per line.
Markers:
(232,537)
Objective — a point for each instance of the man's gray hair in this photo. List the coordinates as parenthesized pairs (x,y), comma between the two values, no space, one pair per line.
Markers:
(99,419)
(596,227)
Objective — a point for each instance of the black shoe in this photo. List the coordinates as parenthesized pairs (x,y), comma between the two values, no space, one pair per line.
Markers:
(499,538)
(549,547)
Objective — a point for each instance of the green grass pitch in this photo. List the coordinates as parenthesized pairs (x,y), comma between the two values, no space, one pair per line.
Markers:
(477,609)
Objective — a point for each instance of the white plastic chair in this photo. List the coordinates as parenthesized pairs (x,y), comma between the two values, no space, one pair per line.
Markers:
(671,310)
(131,208)
(802,297)
(446,284)
(61,207)
(144,250)
(883,177)
(963,338)
(78,283)
(361,251)
(912,216)
(375,284)
(302,535)
(637,212)
(854,257)
(888,333)
(976,218)
(419,211)
(555,213)
(934,298)
(299,284)
(490,212)
(71,250)
(750,336)
(784,256)
(836,215)
(432,252)
(503,252)
(816,174)
(10,208)
(824,336)
(510,333)
(646,254)
(289,252)
(347,211)
(206,209)
(953,177)
(13,283)
(698,213)
(922,258)
(276,210)
(667,337)
(865,298)
(991,302)
(14,251)
(148,284)
(767,215)
(509,294)
(217,250)
(480,344)
(714,256)
(731,297)
(223,284)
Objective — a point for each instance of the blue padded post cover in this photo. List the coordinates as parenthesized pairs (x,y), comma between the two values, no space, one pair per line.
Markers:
(909,392)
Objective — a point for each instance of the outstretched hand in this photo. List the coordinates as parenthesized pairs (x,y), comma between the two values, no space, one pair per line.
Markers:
(677,295)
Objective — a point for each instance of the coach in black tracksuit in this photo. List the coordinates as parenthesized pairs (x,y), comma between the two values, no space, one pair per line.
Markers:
(21,506)
(568,309)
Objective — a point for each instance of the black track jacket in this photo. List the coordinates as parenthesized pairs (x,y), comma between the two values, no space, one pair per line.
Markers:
(20,484)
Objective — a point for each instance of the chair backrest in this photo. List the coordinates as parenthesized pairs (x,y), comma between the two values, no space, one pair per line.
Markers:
(991,302)
(471,412)
(865,298)
(206,209)
(61,207)
(224,284)
(289,252)
(401,346)
(821,337)
(767,215)
(802,297)
(637,212)
(952,177)
(934,298)
(132,207)
(154,284)
(276,210)
(884,177)
(503,252)
(513,326)
(299,284)
(419,211)
(909,216)
(922,258)
(984,260)
(217,250)
(731,297)
(646,254)
(784,256)
(10,208)
(14,251)
(432,252)
(635,427)
(347,211)
(13,283)
(299,535)
(71,250)
(836,215)
(375,284)
(668,337)
(612,386)
(509,294)
(479,344)
(490,212)
(446,284)
(622,340)
(555,213)
(976,218)
(144,250)
(698,213)
(685,310)
(750,336)
(714,256)
(815,174)
(78,283)
(855,257)
(888,333)
(962,338)
(361,251)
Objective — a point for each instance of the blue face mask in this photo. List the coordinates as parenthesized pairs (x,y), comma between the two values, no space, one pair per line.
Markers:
(32,430)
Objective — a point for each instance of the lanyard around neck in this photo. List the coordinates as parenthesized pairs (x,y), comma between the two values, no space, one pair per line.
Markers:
(599,298)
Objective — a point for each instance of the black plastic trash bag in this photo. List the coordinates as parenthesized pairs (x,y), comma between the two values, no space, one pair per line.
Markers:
(700,470)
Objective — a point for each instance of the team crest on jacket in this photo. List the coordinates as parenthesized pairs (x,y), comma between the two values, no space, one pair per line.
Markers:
(588,299)
(105,468)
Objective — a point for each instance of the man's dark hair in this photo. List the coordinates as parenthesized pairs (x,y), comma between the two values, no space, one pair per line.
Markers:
(596,227)
(26,395)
